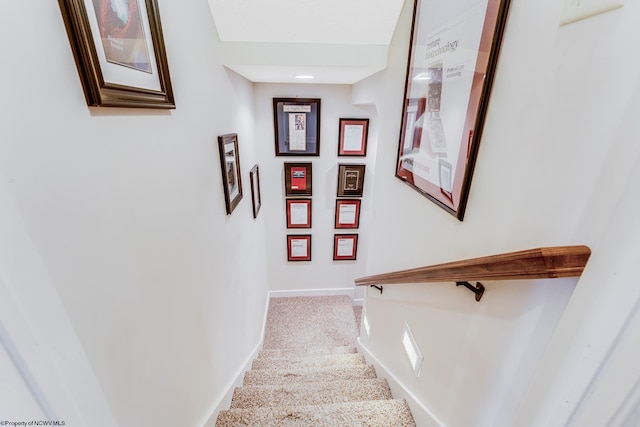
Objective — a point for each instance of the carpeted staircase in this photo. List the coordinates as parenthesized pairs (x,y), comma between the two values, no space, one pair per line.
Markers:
(309,373)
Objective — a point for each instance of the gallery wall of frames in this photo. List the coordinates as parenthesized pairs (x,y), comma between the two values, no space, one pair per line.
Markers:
(297,135)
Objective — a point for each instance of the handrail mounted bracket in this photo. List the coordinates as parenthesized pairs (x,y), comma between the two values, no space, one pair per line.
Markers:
(377,287)
(478,289)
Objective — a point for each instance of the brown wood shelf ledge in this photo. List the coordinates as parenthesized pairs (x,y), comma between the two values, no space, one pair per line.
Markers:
(539,263)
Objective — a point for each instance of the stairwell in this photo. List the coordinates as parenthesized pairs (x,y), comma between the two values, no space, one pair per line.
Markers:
(309,373)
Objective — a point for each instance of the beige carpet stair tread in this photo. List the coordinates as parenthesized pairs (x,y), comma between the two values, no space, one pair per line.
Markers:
(309,361)
(310,394)
(288,376)
(302,352)
(319,322)
(372,413)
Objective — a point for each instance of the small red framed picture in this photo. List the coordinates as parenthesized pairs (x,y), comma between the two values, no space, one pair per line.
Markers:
(299,247)
(298,213)
(345,247)
(297,179)
(347,213)
(353,137)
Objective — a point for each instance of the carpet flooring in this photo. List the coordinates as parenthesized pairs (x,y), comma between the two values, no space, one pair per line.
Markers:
(309,373)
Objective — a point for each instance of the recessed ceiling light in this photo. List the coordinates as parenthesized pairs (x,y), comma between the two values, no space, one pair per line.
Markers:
(304,77)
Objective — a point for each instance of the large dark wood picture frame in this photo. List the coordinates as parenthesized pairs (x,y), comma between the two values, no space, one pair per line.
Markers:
(119,65)
(297,126)
(452,60)
(230,165)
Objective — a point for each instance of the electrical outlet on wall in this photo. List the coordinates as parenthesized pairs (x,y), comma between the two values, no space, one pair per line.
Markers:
(574,10)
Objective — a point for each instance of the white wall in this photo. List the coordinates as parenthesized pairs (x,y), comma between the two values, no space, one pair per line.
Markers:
(557,152)
(125,208)
(321,272)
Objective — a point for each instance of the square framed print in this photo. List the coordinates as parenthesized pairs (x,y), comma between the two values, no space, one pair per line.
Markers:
(347,213)
(350,180)
(297,179)
(230,164)
(452,61)
(345,247)
(297,126)
(298,213)
(299,247)
(353,135)
(256,196)
(119,52)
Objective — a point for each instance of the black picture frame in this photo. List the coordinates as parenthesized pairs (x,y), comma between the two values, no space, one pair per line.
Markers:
(230,167)
(256,196)
(296,126)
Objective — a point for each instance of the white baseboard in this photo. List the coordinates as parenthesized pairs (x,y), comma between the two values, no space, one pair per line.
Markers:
(422,415)
(225,401)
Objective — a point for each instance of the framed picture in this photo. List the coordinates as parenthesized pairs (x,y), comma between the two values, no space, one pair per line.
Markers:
(298,213)
(297,126)
(353,137)
(347,213)
(452,61)
(345,247)
(299,247)
(119,52)
(256,197)
(297,179)
(350,180)
(230,164)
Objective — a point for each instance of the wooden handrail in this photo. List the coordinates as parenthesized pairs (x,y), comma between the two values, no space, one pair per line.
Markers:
(540,263)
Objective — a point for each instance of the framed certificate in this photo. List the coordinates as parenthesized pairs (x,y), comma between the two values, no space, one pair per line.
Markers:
(350,180)
(256,197)
(347,213)
(345,247)
(297,126)
(299,247)
(119,52)
(298,213)
(452,60)
(297,179)
(353,137)
(230,164)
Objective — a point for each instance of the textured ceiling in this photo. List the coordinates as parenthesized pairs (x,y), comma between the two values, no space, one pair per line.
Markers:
(337,41)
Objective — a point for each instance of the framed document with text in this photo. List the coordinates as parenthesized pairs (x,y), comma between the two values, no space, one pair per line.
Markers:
(347,213)
(119,52)
(352,140)
(297,179)
(299,247)
(350,180)
(345,247)
(452,60)
(230,164)
(297,126)
(298,213)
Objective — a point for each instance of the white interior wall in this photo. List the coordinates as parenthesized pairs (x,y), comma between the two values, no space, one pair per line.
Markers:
(556,155)
(321,273)
(125,208)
